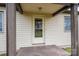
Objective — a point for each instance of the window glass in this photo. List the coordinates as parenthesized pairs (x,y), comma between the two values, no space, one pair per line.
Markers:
(38,27)
(67,23)
(0,22)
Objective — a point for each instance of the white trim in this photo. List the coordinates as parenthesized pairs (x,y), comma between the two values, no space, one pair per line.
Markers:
(2,12)
(38,16)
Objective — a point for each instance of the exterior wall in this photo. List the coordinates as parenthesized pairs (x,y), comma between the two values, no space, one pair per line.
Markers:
(23,30)
(54,31)
(3,33)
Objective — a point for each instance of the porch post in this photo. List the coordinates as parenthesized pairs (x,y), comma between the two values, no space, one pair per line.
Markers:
(74,30)
(11,28)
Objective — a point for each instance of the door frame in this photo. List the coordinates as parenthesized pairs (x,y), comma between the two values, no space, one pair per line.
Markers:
(33,24)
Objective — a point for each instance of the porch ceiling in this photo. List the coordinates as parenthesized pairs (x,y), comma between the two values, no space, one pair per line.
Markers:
(48,8)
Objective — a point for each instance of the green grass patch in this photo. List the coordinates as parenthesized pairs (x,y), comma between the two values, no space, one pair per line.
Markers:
(68,49)
(4,54)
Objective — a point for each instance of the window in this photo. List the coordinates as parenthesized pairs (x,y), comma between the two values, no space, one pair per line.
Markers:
(67,23)
(1,22)
(38,27)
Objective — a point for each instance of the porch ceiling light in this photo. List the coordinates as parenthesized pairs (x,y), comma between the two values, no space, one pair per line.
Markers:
(39,8)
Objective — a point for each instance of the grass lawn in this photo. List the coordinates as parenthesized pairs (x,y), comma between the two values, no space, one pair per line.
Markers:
(68,50)
(4,54)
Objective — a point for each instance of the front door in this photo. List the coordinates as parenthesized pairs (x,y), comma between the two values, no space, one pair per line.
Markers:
(38,30)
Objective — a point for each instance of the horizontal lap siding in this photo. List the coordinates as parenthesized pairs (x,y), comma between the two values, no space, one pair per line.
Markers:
(23,30)
(54,31)
(3,33)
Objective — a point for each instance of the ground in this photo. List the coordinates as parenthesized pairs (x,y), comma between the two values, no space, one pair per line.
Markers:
(66,49)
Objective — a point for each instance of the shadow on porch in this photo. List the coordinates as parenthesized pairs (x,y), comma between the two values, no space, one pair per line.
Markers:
(48,50)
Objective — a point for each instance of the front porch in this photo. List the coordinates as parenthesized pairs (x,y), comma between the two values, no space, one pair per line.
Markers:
(40,50)
(47,50)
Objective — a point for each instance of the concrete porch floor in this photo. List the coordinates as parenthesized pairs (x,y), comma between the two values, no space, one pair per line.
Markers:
(47,50)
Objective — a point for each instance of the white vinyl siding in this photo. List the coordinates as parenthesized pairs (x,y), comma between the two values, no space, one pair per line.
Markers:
(54,31)
(3,32)
(23,30)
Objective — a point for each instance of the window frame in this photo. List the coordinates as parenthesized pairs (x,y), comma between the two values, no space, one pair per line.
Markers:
(33,27)
(2,12)
(64,24)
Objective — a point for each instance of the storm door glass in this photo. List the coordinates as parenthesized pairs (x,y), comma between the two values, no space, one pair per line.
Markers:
(38,27)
